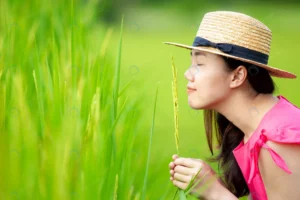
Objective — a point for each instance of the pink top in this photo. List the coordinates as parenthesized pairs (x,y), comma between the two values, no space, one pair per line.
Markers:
(279,124)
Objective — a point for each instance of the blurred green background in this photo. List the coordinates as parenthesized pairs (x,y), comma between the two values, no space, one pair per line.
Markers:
(145,57)
(78,41)
(149,26)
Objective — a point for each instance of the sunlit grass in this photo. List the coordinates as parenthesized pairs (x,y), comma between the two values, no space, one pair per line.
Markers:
(67,125)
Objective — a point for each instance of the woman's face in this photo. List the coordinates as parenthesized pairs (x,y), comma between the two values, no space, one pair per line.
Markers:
(208,79)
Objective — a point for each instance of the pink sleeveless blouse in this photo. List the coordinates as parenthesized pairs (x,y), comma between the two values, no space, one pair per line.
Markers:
(280,124)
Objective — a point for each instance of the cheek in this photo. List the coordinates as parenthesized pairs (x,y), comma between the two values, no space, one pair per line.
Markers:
(211,85)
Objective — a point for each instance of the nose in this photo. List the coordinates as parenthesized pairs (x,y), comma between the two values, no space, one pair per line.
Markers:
(190,73)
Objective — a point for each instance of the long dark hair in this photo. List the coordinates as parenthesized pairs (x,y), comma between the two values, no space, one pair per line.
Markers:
(228,136)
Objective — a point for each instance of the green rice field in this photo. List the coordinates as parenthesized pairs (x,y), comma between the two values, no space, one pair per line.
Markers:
(86,109)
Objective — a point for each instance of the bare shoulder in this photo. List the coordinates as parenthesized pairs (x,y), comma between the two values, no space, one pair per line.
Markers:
(278,183)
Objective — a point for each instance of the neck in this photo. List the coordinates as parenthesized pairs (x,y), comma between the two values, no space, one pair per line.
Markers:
(246,112)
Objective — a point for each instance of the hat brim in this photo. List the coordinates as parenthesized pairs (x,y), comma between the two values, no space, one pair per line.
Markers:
(272,70)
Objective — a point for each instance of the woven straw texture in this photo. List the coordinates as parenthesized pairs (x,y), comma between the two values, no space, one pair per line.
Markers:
(238,29)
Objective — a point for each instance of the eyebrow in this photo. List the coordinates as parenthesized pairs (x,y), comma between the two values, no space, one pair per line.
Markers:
(198,53)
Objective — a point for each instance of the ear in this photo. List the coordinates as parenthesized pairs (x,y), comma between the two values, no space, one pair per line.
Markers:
(238,76)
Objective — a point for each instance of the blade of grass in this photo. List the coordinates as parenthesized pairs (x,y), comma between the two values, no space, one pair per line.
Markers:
(111,133)
(175,194)
(126,86)
(116,188)
(37,81)
(117,71)
(150,143)
(110,138)
(116,87)
(74,72)
(182,195)
(191,182)
(40,104)
(198,181)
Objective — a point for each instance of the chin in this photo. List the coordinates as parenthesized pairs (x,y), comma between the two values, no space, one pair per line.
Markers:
(197,104)
(198,107)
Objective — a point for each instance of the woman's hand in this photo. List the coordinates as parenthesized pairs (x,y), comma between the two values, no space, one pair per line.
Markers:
(182,171)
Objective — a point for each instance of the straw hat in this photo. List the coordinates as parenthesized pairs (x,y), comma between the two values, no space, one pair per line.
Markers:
(238,36)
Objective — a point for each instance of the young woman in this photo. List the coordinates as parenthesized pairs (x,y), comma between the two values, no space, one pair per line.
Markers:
(257,133)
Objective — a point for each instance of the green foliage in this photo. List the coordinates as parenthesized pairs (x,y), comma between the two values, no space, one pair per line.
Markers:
(67,130)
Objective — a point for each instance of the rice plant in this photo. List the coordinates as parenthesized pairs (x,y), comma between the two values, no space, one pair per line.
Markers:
(183,194)
(68,127)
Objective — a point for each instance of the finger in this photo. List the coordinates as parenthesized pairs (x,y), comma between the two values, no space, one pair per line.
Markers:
(172,172)
(179,184)
(186,162)
(182,178)
(195,159)
(171,165)
(182,170)
(175,156)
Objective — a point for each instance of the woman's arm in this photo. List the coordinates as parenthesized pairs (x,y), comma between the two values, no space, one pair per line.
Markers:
(218,192)
(222,194)
(278,183)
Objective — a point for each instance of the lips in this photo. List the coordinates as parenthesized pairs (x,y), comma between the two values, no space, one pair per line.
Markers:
(190,88)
